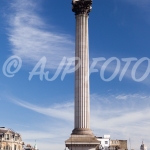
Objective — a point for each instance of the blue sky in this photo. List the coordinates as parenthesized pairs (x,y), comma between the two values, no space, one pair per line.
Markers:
(43,110)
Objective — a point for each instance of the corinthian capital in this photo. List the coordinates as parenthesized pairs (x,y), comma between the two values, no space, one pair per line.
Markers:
(81,6)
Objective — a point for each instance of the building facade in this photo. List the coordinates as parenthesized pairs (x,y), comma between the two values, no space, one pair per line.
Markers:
(107,144)
(10,140)
(143,147)
(118,145)
(104,142)
(29,147)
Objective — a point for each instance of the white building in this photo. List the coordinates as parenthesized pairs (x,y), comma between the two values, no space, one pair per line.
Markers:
(104,142)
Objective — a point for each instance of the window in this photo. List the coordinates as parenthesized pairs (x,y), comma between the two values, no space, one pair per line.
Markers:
(7,137)
(7,147)
(106,142)
(15,147)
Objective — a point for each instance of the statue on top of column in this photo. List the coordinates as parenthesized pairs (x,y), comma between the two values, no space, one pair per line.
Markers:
(81,6)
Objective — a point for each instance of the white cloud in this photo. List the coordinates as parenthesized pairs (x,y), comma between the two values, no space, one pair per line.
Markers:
(45,140)
(36,135)
(56,111)
(123,116)
(32,39)
(121,97)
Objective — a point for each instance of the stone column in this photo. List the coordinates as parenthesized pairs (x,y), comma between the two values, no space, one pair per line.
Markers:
(82,100)
(82,137)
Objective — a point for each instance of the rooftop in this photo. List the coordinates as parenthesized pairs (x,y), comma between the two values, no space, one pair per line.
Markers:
(3,130)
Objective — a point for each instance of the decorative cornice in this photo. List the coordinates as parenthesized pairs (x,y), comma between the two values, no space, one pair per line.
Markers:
(81,6)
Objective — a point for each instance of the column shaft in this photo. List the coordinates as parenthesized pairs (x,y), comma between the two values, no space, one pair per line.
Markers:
(82,110)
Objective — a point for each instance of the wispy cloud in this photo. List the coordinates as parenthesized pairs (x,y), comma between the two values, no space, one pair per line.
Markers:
(123,116)
(56,111)
(32,39)
(51,138)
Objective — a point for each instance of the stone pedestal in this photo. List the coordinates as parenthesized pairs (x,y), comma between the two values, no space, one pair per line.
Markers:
(82,142)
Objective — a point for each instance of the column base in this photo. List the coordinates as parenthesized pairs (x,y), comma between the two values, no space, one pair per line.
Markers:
(82,142)
(82,131)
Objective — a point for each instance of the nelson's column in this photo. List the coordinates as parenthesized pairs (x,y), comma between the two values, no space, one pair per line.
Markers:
(82,137)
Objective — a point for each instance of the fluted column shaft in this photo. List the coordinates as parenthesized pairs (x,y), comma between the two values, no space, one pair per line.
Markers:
(82,9)
(82,110)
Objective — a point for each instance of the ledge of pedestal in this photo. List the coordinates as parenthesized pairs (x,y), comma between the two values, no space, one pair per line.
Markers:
(82,141)
(82,131)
